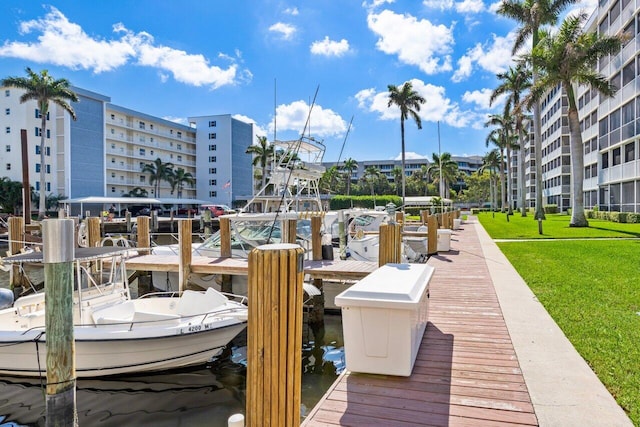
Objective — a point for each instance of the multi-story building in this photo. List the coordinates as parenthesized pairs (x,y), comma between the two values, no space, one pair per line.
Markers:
(104,151)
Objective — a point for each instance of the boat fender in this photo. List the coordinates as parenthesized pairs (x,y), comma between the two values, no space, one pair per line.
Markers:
(6,298)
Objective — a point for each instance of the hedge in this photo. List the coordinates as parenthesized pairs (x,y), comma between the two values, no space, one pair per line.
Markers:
(624,217)
(369,202)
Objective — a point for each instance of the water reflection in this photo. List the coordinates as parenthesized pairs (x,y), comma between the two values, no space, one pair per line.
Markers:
(198,396)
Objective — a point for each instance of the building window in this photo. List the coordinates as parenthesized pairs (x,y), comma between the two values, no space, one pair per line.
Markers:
(212,159)
(7,129)
(213,182)
(113,117)
(179,146)
(171,131)
(37,149)
(617,158)
(112,131)
(113,189)
(213,170)
(213,147)
(179,158)
(113,174)
(151,139)
(212,136)
(7,111)
(113,160)
(212,123)
(213,194)
(142,151)
(151,152)
(179,134)
(47,151)
(143,179)
(141,125)
(605,160)
(151,126)
(37,185)
(8,148)
(48,186)
(630,152)
(7,92)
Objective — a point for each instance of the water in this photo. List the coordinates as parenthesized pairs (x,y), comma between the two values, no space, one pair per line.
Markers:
(197,396)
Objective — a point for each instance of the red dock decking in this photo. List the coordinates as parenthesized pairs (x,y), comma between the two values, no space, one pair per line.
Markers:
(466,372)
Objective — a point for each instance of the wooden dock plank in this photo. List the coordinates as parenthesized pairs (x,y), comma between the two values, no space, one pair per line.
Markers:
(466,372)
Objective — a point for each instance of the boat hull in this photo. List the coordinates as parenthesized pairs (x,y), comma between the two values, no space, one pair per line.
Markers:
(115,350)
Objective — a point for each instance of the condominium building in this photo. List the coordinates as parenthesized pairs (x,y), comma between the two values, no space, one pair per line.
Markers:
(104,151)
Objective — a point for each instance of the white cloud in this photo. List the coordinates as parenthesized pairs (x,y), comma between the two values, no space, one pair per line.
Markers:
(492,57)
(409,155)
(180,120)
(64,43)
(328,47)
(415,42)
(259,130)
(293,11)
(481,98)
(470,6)
(323,122)
(436,108)
(438,4)
(375,3)
(286,31)
(495,6)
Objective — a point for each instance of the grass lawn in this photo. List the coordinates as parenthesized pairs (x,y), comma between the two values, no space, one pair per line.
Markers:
(591,288)
(554,226)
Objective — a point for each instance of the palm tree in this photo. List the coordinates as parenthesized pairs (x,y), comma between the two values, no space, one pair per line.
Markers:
(491,162)
(443,165)
(349,166)
(567,58)
(43,89)
(502,137)
(371,175)
(178,178)
(263,155)
(514,83)
(159,171)
(136,192)
(533,14)
(396,172)
(409,102)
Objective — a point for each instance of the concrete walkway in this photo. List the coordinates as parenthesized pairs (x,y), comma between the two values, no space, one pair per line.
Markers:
(563,388)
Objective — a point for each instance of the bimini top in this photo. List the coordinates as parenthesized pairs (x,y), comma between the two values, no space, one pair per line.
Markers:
(79,254)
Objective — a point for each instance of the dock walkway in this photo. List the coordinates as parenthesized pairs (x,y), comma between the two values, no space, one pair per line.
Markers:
(467,372)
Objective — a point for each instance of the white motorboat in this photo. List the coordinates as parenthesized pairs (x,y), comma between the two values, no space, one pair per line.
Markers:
(115,334)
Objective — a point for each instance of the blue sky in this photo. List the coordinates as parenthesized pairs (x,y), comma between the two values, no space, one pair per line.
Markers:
(192,58)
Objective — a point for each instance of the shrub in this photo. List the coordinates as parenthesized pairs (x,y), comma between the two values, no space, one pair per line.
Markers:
(551,209)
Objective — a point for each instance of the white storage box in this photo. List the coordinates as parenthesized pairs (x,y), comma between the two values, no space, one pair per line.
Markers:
(456,223)
(444,240)
(384,317)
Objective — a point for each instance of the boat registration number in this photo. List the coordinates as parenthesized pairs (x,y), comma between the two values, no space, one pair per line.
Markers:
(196,328)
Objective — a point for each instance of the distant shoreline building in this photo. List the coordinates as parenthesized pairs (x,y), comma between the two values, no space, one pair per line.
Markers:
(103,152)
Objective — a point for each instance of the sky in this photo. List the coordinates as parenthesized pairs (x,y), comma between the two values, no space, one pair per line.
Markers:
(266,60)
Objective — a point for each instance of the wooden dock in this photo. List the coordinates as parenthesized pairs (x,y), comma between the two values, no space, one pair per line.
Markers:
(466,372)
(336,270)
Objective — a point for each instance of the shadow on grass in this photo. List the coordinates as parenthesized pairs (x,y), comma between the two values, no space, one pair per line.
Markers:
(630,233)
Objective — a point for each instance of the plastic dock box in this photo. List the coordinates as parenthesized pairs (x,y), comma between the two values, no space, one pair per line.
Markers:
(444,239)
(384,317)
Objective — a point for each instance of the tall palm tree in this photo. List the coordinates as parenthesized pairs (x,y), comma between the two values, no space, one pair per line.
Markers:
(43,89)
(514,83)
(443,165)
(178,179)
(533,14)
(409,102)
(159,171)
(349,166)
(262,156)
(502,137)
(569,58)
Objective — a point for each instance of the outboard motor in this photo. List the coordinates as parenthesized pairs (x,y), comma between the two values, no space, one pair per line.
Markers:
(6,298)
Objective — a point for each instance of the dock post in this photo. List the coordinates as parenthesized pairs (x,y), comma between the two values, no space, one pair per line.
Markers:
(172,219)
(390,247)
(289,230)
(127,219)
(184,238)
(274,335)
(424,215)
(342,235)
(57,253)
(143,237)
(93,231)
(206,220)
(154,221)
(432,235)
(316,315)
(225,252)
(16,243)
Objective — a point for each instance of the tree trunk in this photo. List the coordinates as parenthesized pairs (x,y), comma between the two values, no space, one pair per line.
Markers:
(502,191)
(403,160)
(578,218)
(42,205)
(509,184)
(523,196)
(537,142)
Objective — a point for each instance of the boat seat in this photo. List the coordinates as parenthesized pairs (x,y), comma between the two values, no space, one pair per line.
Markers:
(30,305)
(156,318)
(192,303)
(117,313)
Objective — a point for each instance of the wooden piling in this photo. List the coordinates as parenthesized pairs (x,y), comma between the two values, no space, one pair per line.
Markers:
(93,232)
(16,243)
(316,238)
(400,217)
(184,238)
(424,215)
(225,237)
(127,219)
(316,315)
(289,230)
(390,247)
(58,281)
(206,220)
(432,235)
(274,335)
(143,236)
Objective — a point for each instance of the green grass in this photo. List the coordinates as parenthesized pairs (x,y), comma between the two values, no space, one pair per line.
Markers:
(555,226)
(591,288)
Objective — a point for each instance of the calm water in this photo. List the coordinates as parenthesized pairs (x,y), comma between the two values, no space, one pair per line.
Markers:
(197,396)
